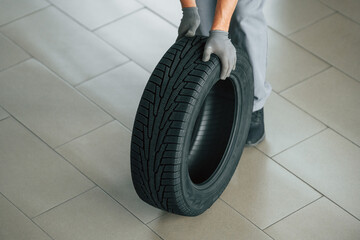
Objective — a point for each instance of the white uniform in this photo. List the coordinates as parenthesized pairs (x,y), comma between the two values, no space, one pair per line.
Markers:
(247,23)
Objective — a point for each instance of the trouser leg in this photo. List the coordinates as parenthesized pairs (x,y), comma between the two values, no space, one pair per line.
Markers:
(249,17)
(247,24)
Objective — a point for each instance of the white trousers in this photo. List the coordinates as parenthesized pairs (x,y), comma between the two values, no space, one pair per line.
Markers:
(247,24)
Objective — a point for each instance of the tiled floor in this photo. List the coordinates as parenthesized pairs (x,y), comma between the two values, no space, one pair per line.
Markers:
(71,77)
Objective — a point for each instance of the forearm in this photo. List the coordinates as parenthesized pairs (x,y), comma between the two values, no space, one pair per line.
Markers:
(188,3)
(223,13)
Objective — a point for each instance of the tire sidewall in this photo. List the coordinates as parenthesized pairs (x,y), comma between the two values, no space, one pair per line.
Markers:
(198,198)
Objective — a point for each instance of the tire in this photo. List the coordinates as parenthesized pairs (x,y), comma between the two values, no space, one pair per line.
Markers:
(190,128)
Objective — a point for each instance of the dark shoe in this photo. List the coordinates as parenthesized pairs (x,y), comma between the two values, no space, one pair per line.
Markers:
(257,128)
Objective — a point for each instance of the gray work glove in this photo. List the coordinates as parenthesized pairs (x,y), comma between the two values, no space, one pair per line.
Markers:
(189,22)
(220,44)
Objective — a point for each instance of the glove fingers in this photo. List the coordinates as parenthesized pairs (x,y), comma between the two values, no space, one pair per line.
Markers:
(230,67)
(190,33)
(234,62)
(224,69)
(207,54)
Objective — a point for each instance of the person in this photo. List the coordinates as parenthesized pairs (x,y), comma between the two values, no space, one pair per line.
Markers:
(245,21)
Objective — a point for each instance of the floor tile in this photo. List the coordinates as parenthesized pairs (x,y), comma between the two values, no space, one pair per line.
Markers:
(16,226)
(63,45)
(288,16)
(218,222)
(333,98)
(3,113)
(263,191)
(168,9)
(285,125)
(118,91)
(321,220)
(335,39)
(350,8)
(143,36)
(329,163)
(288,63)
(47,105)
(111,144)
(10,53)
(32,175)
(93,215)
(11,10)
(94,13)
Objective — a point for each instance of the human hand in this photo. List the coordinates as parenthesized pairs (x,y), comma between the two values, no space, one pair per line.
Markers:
(220,44)
(189,22)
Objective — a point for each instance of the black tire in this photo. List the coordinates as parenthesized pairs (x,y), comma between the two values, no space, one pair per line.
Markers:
(190,129)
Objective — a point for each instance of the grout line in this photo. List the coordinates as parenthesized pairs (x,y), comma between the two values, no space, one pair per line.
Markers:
(297,143)
(9,115)
(68,83)
(87,190)
(74,87)
(99,74)
(313,23)
(163,18)
(129,211)
(323,194)
(26,15)
(342,208)
(312,53)
(18,45)
(86,97)
(127,56)
(117,19)
(315,189)
(15,64)
(304,80)
(83,95)
(23,49)
(94,183)
(162,215)
(69,16)
(49,68)
(92,130)
(130,58)
(299,178)
(339,12)
(245,217)
(94,34)
(51,148)
(293,212)
(158,14)
(286,169)
(348,17)
(26,216)
(83,174)
(340,134)
(294,104)
(5,118)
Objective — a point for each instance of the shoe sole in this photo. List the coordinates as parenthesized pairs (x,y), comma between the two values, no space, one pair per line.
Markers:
(254,144)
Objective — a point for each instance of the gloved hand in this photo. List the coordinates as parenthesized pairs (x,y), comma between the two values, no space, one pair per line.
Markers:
(220,44)
(189,22)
